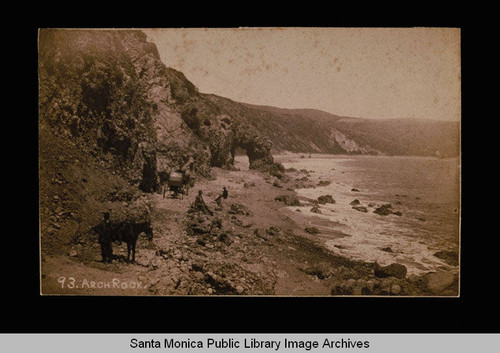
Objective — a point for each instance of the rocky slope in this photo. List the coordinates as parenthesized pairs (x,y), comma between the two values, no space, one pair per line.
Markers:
(315,131)
(112,117)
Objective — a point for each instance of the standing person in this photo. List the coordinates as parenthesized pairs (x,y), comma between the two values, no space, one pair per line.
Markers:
(105,238)
(224,195)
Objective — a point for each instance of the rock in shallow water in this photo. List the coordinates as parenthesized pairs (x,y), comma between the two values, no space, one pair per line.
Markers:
(392,270)
(450,257)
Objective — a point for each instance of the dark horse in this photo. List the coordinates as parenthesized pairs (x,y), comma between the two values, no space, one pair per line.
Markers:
(125,231)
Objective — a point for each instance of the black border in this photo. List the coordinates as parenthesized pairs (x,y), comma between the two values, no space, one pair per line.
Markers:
(25,311)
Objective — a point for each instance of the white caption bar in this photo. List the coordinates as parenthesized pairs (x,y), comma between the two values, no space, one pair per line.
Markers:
(250,343)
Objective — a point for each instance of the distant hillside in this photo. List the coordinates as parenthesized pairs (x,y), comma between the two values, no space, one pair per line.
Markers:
(316,131)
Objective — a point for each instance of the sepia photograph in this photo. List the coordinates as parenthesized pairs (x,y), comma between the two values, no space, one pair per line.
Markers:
(250,161)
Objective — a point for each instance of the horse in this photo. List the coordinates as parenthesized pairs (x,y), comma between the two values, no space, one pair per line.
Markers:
(129,232)
(124,231)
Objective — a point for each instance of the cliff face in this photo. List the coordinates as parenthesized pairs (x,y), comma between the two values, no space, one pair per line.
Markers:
(112,117)
(109,91)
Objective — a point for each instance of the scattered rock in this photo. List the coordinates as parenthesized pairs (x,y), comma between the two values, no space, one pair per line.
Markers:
(321,270)
(384,210)
(277,184)
(450,257)
(387,249)
(239,209)
(358,287)
(288,200)
(438,282)
(355,190)
(274,231)
(326,199)
(360,208)
(395,289)
(312,230)
(324,183)
(316,209)
(392,270)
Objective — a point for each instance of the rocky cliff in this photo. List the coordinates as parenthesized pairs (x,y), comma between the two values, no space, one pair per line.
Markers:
(109,91)
(112,117)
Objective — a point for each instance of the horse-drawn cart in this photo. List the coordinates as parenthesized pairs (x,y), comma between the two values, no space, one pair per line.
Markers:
(177,183)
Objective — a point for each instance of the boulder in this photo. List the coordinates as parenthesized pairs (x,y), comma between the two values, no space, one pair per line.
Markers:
(438,282)
(239,209)
(392,270)
(326,199)
(355,202)
(383,210)
(395,289)
(274,231)
(360,208)
(450,257)
(321,270)
(288,200)
(312,230)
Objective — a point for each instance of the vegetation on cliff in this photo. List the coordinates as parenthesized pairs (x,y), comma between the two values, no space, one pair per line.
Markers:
(109,109)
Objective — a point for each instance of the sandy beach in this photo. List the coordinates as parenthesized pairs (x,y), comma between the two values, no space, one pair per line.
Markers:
(260,246)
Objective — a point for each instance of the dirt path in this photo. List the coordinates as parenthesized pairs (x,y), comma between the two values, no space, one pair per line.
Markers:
(255,257)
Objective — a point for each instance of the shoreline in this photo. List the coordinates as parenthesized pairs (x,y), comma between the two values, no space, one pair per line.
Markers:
(263,247)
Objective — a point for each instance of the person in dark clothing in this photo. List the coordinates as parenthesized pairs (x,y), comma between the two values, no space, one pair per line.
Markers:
(105,238)
(200,205)
(224,196)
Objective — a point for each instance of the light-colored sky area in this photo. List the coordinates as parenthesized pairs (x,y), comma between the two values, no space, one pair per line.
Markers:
(358,72)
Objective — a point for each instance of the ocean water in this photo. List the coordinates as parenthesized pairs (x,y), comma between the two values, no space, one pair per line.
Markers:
(425,190)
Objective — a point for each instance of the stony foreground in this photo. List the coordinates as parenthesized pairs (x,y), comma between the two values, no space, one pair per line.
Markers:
(249,245)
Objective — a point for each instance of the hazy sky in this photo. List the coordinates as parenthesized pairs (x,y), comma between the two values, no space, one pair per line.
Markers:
(358,72)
